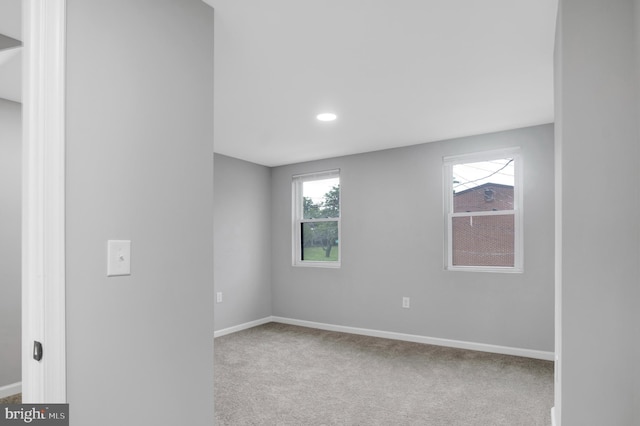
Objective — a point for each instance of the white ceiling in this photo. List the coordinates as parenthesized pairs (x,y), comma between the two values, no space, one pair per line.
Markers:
(11,59)
(397,73)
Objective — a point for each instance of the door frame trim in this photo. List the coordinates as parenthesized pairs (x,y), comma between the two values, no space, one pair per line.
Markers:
(43,200)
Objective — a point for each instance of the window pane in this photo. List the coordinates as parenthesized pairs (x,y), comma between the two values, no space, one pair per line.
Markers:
(321,198)
(320,241)
(483,240)
(483,186)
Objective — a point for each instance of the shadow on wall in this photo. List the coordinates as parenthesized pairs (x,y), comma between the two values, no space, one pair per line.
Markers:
(10,245)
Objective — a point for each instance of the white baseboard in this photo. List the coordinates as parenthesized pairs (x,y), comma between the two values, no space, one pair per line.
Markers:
(505,350)
(553,417)
(482,347)
(241,327)
(11,389)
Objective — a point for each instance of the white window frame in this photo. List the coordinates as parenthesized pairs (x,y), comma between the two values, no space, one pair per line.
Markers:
(517,211)
(298,220)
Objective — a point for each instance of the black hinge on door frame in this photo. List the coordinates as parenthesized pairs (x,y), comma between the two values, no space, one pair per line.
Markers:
(37,350)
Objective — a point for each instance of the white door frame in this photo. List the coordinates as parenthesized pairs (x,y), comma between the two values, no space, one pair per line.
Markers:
(43,201)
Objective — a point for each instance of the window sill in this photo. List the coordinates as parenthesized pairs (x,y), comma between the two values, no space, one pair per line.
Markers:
(498,269)
(308,264)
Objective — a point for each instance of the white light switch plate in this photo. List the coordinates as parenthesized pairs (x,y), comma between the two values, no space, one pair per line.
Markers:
(118,258)
(406,302)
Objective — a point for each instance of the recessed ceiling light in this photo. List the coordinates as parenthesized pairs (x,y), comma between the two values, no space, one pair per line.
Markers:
(327,116)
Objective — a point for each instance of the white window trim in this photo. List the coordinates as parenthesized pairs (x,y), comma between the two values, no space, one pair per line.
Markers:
(297,207)
(517,211)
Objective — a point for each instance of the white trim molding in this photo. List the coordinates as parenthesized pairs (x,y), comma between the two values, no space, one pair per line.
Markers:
(241,327)
(482,347)
(43,205)
(10,390)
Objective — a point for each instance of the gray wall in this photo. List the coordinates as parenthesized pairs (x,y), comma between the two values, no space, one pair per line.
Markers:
(597,105)
(392,246)
(242,241)
(636,296)
(140,167)
(10,241)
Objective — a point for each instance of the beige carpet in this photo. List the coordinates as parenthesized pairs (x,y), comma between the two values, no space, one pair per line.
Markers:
(13,399)
(278,374)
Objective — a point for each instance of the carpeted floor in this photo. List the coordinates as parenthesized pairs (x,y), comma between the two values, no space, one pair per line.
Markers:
(279,374)
(13,399)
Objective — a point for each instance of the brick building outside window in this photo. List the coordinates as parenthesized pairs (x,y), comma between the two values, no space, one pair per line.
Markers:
(484,240)
(483,211)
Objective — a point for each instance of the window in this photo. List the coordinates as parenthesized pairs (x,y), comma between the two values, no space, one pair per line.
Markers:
(316,219)
(483,209)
